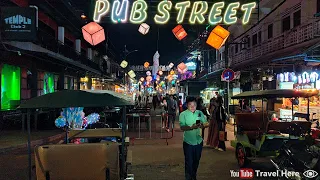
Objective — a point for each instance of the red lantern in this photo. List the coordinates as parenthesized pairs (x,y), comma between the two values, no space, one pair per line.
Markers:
(179,32)
(146,64)
(93,33)
(149,78)
(182,68)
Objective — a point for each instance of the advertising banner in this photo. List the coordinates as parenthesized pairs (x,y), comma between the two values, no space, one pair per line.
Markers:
(18,24)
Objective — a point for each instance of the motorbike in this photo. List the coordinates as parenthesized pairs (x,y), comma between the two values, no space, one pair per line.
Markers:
(299,156)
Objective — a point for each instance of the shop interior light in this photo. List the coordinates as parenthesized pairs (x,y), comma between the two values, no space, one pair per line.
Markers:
(93,33)
(124,64)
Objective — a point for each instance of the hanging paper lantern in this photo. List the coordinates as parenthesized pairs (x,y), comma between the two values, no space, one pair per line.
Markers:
(182,68)
(179,32)
(218,37)
(146,64)
(170,78)
(172,72)
(131,74)
(93,33)
(158,78)
(149,78)
(148,73)
(141,79)
(171,65)
(160,73)
(144,28)
(124,64)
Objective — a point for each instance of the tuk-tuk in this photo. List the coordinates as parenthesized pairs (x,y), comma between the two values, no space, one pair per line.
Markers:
(99,160)
(257,135)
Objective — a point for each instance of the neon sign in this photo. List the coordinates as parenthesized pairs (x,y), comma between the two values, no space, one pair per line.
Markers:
(199,11)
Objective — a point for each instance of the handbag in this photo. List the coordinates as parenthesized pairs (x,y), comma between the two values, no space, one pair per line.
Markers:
(222,136)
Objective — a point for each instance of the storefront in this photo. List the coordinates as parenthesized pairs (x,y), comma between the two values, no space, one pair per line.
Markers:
(10,87)
(306,81)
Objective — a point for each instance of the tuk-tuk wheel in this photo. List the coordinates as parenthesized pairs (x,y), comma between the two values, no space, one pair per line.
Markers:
(241,156)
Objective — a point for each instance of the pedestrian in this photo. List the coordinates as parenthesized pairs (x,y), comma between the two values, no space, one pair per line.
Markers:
(191,121)
(154,101)
(164,111)
(221,118)
(172,107)
(213,132)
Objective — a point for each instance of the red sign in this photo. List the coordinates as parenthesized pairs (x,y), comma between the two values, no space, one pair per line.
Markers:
(227,75)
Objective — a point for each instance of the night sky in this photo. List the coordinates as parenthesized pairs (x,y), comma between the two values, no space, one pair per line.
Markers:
(170,48)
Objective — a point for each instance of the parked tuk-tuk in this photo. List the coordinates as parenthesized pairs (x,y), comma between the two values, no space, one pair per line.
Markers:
(102,160)
(257,135)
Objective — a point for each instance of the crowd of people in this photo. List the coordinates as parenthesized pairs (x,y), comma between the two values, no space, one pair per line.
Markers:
(194,118)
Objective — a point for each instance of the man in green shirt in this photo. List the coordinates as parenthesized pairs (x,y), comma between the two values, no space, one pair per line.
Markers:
(192,140)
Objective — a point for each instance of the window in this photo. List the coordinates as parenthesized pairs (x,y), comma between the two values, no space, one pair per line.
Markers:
(286,24)
(10,87)
(259,37)
(318,6)
(270,31)
(297,18)
(249,42)
(254,39)
(237,48)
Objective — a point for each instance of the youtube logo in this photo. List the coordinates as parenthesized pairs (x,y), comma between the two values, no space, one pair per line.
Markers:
(246,173)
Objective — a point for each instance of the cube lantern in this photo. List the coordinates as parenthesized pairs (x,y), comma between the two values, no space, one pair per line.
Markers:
(179,32)
(131,74)
(182,68)
(93,33)
(146,64)
(124,64)
(144,28)
(171,65)
(218,37)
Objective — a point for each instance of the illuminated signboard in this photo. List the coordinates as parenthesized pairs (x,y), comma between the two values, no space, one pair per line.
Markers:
(199,11)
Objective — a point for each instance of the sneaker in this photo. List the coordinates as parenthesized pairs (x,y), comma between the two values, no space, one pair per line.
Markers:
(216,148)
(219,149)
(168,130)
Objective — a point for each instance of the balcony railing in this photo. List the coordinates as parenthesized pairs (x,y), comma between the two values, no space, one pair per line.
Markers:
(217,66)
(295,36)
(49,42)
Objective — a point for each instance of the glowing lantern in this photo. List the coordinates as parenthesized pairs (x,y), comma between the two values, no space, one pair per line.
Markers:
(158,78)
(142,79)
(148,73)
(93,33)
(171,65)
(146,64)
(131,74)
(144,28)
(124,64)
(149,78)
(179,32)
(182,68)
(172,72)
(160,73)
(218,37)
(170,78)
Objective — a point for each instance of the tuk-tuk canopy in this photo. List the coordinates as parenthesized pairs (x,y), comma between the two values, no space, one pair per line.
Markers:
(75,98)
(279,93)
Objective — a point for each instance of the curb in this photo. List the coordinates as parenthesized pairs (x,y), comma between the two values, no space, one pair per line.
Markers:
(33,143)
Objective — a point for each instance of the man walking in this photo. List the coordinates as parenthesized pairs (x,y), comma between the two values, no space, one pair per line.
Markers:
(172,108)
(191,121)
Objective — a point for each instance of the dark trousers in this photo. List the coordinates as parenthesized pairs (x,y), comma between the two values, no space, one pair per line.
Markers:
(171,119)
(192,155)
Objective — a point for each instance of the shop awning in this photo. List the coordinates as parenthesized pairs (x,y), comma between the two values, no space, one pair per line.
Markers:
(279,93)
(74,98)
(29,46)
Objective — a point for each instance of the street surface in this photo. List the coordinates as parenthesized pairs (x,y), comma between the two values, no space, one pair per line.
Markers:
(153,159)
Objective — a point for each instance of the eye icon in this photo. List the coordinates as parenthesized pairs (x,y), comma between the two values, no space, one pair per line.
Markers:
(310,173)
